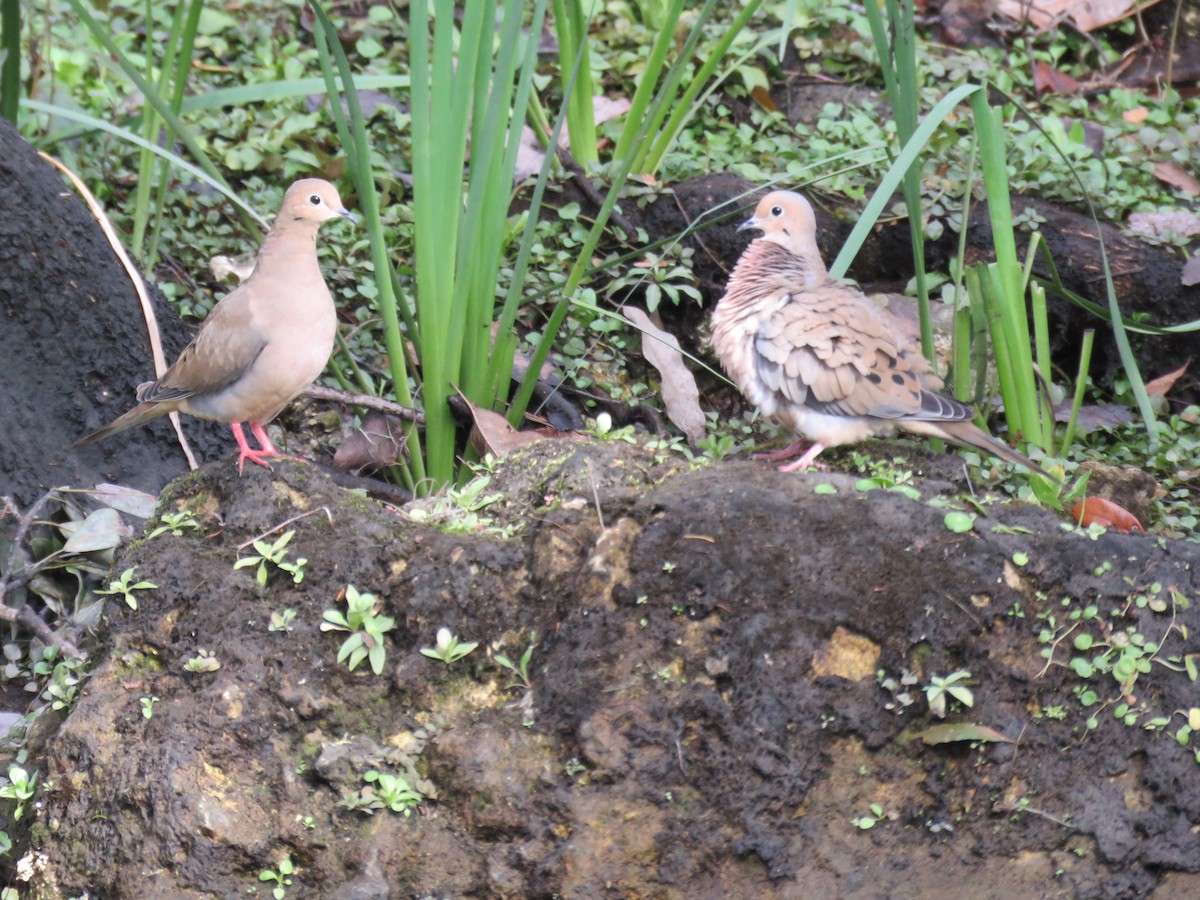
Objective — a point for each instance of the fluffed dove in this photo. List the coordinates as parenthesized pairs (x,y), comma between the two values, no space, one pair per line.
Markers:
(816,355)
(264,342)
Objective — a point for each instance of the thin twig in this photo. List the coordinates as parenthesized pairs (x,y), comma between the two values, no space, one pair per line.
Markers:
(160,360)
(585,185)
(347,398)
(24,523)
(25,616)
(285,523)
(687,221)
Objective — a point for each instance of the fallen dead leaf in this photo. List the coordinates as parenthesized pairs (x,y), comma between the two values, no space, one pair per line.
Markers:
(1047,79)
(1164,383)
(1094,415)
(680,395)
(377,444)
(1099,511)
(762,97)
(1087,15)
(945,734)
(531,153)
(1177,177)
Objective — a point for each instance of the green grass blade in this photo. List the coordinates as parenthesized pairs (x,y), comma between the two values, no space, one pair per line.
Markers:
(687,105)
(1081,380)
(571,27)
(136,140)
(894,175)
(359,149)
(267,91)
(10,65)
(160,106)
(647,82)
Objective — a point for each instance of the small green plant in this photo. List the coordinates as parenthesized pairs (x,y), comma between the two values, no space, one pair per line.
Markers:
(175,523)
(126,589)
(19,786)
(602,427)
(868,821)
(203,661)
(520,668)
(899,689)
(281,620)
(366,626)
(63,676)
(953,686)
(884,475)
(281,877)
(276,554)
(5,849)
(448,648)
(147,704)
(460,510)
(383,791)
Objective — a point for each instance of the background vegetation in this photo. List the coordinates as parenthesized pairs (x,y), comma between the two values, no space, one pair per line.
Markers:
(170,112)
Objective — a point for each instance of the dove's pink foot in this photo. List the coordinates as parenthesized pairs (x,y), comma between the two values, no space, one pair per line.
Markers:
(266,448)
(795,448)
(808,459)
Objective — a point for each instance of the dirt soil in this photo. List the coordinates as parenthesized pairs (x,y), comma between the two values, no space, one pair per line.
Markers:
(704,718)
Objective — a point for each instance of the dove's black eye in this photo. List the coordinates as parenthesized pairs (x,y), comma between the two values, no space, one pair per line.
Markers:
(315,199)
(777,210)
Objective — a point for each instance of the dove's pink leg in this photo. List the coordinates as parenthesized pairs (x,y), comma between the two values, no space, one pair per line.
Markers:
(795,448)
(806,460)
(244,450)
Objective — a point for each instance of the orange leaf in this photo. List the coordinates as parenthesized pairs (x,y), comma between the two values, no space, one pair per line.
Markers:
(1098,511)
(763,97)
(1047,78)
(1164,383)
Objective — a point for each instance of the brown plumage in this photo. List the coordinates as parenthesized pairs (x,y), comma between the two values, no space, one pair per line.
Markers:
(264,343)
(818,356)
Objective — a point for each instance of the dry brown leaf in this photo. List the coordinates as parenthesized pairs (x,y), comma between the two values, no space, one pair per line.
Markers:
(493,434)
(1100,511)
(1087,15)
(1046,78)
(1093,416)
(377,444)
(1164,383)
(763,98)
(531,153)
(680,395)
(1177,177)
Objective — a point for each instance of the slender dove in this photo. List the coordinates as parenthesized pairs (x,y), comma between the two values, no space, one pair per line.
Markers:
(817,355)
(264,342)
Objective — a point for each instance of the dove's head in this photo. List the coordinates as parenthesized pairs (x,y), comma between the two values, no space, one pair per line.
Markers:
(785,218)
(313,200)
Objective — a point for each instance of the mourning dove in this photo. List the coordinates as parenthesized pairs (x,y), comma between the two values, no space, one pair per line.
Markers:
(264,343)
(817,355)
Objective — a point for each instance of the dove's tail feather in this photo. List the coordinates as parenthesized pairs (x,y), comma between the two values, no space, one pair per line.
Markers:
(969,434)
(139,415)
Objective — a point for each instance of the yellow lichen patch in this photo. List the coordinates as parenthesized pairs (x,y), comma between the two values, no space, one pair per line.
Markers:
(234,702)
(609,562)
(847,655)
